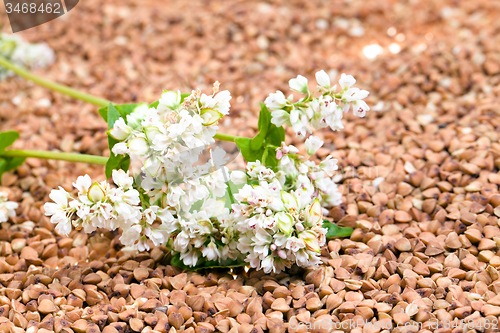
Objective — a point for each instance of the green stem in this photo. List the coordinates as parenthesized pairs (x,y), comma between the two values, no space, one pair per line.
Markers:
(53,85)
(75,93)
(226,137)
(92,159)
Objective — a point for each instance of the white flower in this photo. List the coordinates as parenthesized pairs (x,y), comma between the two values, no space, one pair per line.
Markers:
(222,102)
(276,101)
(323,79)
(285,222)
(280,117)
(135,119)
(82,184)
(314,214)
(120,130)
(299,122)
(122,179)
(131,235)
(346,81)
(360,108)
(313,143)
(239,177)
(329,164)
(58,210)
(299,84)
(170,100)
(120,148)
(138,146)
(211,252)
(354,94)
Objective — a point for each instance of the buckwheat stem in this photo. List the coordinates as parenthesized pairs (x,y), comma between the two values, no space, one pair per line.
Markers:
(53,85)
(76,93)
(50,155)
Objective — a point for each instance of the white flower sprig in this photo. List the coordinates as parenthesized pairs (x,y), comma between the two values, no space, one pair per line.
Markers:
(24,54)
(317,112)
(269,216)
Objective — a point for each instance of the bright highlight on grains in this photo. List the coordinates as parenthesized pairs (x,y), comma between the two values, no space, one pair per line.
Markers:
(269,216)
(7,208)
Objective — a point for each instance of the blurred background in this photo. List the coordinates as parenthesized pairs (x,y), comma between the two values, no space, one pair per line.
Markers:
(418,56)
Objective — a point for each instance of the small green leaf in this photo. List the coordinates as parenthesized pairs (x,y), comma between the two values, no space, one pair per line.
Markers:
(113,115)
(264,119)
(7,139)
(258,141)
(248,154)
(205,264)
(8,163)
(114,161)
(275,136)
(104,113)
(334,231)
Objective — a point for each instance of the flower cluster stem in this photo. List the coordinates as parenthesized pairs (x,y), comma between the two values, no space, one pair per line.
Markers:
(76,93)
(53,85)
(226,137)
(50,155)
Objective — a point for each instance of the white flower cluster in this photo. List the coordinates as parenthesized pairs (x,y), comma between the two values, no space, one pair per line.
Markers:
(273,220)
(317,112)
(7,208)
(167,141)
(280,217)
(24,54)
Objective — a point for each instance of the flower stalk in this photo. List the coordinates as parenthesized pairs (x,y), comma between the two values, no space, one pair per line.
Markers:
(49,155)
(53,85)
(76,93)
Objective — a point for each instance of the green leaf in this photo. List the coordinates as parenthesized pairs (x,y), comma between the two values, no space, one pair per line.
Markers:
(114,161)
(104,113)
(264,119)
(205,264)
(7,139)
(334,231)
(275,136)
(123,110)
(258,141)
(8,163)
(113,115)
(248,154)
(264,125)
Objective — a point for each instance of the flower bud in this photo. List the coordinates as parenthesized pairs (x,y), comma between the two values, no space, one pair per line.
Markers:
(169,100)
(96,193)
(323,79)
(210,116)
(239,177)
(311,241)
(313,143)
(314,213)
(299,84)
(285,222)
(138,146)
(151,132)
(282,254)
(120,130)
(289,200)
